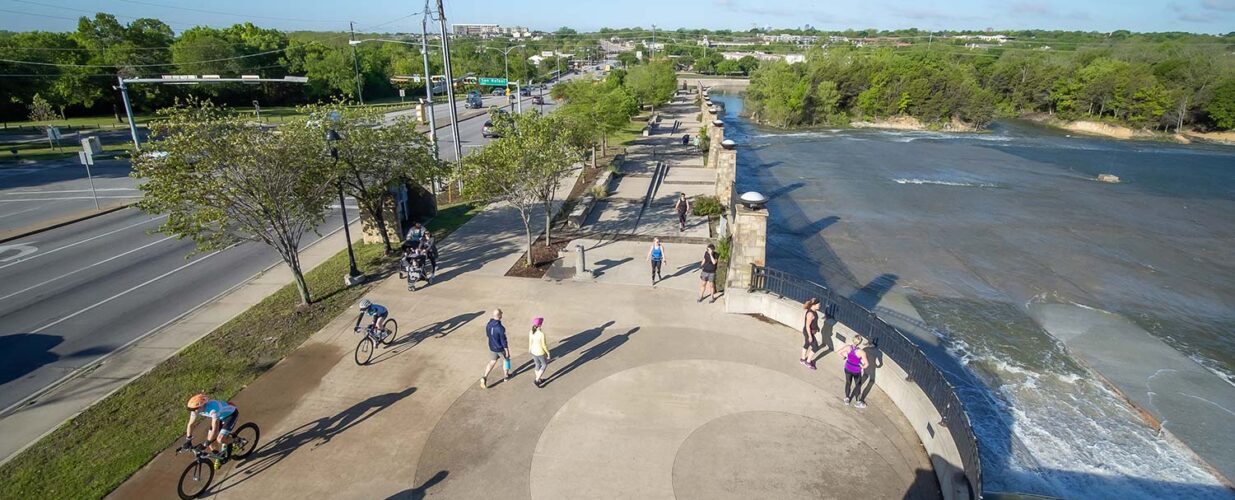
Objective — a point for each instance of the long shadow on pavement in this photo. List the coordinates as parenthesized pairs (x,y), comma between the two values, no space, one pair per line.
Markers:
(607,346)
(418,492)
(323,429)
(438,329)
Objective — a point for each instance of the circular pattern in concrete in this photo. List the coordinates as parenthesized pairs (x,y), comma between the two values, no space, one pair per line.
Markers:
(620,437)
(776,455)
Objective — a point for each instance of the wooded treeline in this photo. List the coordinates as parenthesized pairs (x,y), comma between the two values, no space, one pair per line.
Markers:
(1164,86)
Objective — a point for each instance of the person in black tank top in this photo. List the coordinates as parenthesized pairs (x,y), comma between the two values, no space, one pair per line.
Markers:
(707,274)
(810,325)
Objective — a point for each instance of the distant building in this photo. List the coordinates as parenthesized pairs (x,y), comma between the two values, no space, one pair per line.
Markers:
(763,56)
(476,29)
(985,38)
(794,39)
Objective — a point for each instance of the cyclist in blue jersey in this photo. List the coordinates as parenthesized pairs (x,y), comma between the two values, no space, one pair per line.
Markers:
(378,312)
(222,415)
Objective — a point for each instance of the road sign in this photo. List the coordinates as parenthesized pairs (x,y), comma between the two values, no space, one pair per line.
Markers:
(493,82)
(402,93)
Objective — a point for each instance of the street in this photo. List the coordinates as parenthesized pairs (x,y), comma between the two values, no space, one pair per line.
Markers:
(75,293)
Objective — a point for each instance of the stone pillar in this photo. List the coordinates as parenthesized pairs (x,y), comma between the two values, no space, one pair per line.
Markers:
(726,174)
(715,135)
(749,245)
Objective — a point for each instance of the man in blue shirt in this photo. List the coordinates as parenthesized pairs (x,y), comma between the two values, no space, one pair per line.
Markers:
(498,348)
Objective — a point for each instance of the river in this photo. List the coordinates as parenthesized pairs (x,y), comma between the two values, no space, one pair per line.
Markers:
(1075,315)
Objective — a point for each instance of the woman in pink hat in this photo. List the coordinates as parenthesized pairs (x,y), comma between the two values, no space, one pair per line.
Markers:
(539,348)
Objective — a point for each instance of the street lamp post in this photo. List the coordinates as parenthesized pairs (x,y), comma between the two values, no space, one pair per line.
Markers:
(506,63)
(353,275)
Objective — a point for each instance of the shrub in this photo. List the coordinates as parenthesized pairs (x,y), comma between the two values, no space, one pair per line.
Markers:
(599,192)
(706,206)
(722,249)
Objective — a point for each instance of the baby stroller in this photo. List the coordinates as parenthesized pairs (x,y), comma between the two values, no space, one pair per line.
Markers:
(415,263)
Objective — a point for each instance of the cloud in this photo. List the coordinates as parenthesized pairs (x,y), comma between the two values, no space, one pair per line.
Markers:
(1222,5)
(1044,10)
(1187,14)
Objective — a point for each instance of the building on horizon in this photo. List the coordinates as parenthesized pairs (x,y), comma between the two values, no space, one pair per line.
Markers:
(463,29)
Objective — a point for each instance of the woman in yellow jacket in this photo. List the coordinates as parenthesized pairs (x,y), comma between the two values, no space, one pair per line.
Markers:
(539,349)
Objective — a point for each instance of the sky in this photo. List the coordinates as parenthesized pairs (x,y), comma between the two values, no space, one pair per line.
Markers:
(1201,16)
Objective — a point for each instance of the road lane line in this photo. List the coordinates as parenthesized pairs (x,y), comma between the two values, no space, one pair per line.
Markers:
(92,238)
(65,191)
(109,259)
(36,207)
(63,198)
(121,294)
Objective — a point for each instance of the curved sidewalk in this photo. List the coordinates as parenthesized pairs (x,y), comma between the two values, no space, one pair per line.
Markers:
(650,395)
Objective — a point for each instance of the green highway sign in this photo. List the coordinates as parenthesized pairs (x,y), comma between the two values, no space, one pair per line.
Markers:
(493,82)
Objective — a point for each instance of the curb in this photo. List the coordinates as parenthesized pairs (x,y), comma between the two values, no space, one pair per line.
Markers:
(64,222)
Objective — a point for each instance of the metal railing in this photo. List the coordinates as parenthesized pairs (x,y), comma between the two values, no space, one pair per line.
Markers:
(893,343)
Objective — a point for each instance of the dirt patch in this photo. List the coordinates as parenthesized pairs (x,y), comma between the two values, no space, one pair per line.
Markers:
(1227,137)
(543,257)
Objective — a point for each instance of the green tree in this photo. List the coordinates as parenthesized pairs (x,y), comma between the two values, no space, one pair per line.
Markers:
(652,83)
(748,64)
(373,154)
(514,168)
(223,181)
(1221,107)
(728,67)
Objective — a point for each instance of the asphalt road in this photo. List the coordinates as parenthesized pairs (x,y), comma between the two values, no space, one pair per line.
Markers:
(73,294)
(34,195)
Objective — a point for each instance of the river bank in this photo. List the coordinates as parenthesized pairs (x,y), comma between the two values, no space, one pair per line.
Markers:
(1121,132)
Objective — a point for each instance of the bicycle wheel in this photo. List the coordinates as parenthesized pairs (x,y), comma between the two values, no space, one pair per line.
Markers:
(195,479)
(364,351)
(244,440)
(392,329)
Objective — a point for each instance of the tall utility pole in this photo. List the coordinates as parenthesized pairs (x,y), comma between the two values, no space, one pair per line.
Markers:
(450,82)
(356,64)
(424,52)
(652,49)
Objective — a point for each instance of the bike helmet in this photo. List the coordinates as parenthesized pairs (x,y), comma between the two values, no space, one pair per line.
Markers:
(197,401)
(364,304)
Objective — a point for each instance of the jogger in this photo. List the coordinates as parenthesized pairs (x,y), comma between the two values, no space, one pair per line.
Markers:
(656,255)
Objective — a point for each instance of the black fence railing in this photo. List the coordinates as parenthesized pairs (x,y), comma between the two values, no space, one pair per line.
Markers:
(893,343)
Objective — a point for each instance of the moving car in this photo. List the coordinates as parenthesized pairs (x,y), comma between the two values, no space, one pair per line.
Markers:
(488,131)
(474,101)
(525,92)
(498,91)
(538,100)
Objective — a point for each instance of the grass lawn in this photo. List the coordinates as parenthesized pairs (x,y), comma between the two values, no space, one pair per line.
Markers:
(90,455)
(38,151)
(627,134)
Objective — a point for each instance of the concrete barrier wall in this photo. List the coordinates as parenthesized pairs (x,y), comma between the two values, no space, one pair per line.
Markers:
(887,375)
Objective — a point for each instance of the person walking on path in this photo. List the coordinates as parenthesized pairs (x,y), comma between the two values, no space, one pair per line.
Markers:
(810,325)
(656,255)
(498,348)
(855,363)
(539,349)
(707,274)
(683,207)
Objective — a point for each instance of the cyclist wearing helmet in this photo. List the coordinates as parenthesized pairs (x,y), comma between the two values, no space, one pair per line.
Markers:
(378,312)
(222,415)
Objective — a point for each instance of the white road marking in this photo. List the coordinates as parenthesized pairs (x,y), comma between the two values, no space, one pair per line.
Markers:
(104,261)
(35,256)
(65,191)
(121,294)
(31,209)
(23,249)
(69,198)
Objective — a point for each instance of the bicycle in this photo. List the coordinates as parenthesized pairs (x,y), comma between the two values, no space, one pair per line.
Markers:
(373,337)
(196,478)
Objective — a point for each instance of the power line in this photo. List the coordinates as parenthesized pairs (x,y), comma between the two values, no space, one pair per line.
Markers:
(233,14)
(66,65)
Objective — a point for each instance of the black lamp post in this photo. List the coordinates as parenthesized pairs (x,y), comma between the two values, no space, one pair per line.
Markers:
(353,274)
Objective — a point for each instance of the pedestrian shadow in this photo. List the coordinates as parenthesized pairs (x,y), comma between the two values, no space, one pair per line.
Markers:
(418,492)
(316,433)
(693,266)
(597,351)
(827,332)
(566,346)
(607,264)
(438,329)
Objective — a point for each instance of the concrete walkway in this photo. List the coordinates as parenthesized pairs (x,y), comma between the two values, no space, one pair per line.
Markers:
(649,395)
